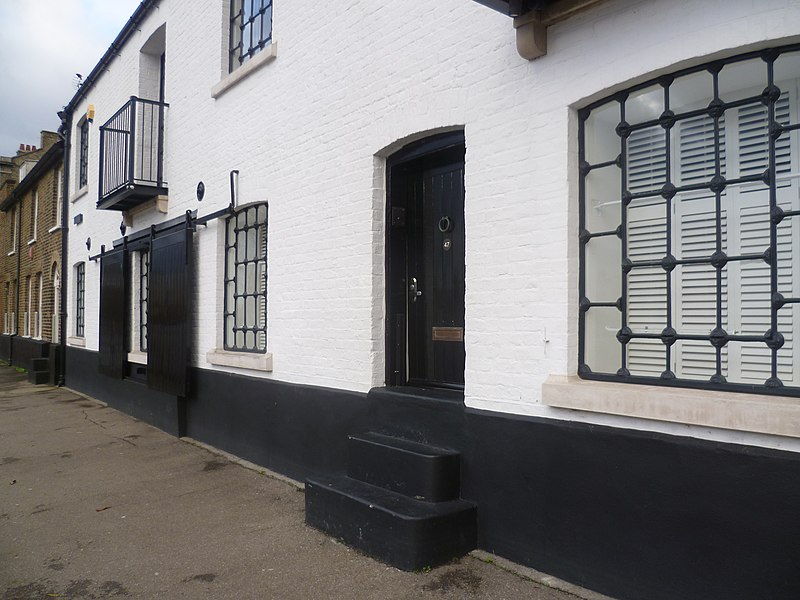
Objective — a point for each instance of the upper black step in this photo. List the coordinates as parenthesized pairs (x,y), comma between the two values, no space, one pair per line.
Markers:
(406,533)
(416,470)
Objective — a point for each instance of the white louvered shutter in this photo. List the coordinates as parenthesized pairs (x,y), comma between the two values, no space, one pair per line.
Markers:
(753,277)
(694,236)
(646,235)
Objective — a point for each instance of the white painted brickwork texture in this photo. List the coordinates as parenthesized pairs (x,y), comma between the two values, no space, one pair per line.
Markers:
(353,81)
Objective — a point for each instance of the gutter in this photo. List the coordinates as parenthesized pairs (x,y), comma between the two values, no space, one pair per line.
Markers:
(66,132)
(127,31)
(18,226)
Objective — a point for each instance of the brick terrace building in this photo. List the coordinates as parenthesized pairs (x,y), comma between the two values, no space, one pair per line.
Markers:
(30,262)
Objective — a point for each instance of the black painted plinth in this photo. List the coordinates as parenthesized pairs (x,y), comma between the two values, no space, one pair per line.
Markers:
(401,531)
(416,470)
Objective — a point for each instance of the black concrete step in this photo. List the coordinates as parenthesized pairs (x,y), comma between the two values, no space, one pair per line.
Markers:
(417,470)
(38,377)
(39,364)
(401,531)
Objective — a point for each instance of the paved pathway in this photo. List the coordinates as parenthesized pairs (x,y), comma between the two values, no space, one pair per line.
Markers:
(95,504)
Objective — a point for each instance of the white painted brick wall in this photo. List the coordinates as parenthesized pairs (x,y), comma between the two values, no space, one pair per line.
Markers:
(308,132)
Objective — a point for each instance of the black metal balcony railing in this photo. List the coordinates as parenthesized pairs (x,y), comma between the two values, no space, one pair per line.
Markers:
(132,155)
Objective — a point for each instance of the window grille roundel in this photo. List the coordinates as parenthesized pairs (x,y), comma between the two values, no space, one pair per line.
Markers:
(245,285)
(690,225)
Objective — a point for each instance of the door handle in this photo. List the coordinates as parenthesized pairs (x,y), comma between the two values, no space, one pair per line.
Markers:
(413,290)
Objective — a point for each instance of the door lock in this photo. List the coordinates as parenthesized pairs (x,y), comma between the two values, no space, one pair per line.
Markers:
(413,291)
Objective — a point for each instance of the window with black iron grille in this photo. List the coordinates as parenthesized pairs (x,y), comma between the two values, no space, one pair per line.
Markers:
(80,290)
(144,269)
(689,226)
(251,29)
(245,318)
(83,165)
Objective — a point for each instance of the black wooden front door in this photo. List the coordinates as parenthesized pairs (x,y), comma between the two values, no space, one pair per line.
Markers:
(426,268)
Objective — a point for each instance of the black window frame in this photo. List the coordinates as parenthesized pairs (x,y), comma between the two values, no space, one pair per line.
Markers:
(244,16)
(80,299)
(83,156)
(718,338)
(235,289)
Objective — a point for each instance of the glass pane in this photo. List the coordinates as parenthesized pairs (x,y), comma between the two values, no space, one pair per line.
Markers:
(603,351)
(746,78)
(691,91)
(601,142)
(250,305)
(647,300)
(646,358)
(229,325)
(240,312)
(252,280)
(241,246)
(646,153)
(252,243)
(697,360)
(250,340)
(603,193)
(603,271)
(644,105)
(229,298)
(240,279)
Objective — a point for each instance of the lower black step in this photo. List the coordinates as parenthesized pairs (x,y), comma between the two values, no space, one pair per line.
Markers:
(403,532)
(38,377)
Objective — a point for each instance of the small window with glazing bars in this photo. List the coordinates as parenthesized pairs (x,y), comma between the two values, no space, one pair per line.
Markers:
(251,29)
(83,165)
(245,318)
(144,274)
(80,290)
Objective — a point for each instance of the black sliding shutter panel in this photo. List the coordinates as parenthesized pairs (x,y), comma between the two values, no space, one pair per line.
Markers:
(169,312)
(113,311)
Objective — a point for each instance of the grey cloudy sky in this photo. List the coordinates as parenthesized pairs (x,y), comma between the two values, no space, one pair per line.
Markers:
(43,44)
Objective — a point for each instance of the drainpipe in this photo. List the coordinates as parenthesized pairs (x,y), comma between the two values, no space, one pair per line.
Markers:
(18,226)
(65,131)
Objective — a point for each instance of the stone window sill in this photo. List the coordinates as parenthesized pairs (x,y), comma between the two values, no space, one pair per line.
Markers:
(31,242)
(54,228)
(76,341)
(266,55)
(241,360)
(140,358)
(80,194)
(776,415)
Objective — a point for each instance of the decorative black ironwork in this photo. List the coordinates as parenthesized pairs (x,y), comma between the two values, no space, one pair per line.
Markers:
(245,314)
(636,178)
(80,295)
(83,166)
(132,149)
(251,29)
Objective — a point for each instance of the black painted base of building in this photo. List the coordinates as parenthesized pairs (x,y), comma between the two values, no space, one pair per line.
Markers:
(628,513)
(28,353)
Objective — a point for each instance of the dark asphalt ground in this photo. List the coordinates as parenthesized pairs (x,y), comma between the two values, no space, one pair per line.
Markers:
(96,504)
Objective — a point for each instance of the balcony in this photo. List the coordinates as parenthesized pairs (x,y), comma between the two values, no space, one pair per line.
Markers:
(132,155)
